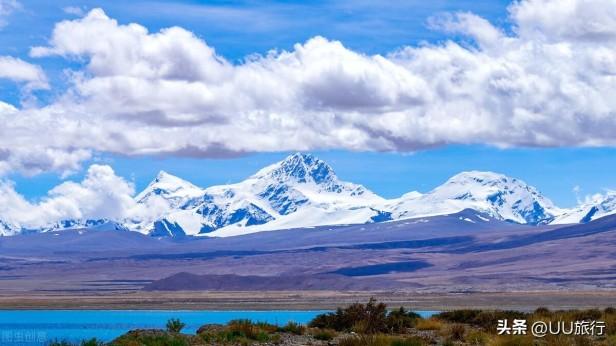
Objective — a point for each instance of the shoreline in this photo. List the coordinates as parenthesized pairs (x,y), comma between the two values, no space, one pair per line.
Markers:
(304,300)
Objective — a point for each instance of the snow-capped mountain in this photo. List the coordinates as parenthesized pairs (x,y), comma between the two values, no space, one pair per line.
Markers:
(7,229)
(177,192)
(304,191)
(596,207)
(495,194)
(299,191)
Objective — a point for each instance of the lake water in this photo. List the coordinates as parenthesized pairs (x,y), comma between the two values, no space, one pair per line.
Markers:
(38,327)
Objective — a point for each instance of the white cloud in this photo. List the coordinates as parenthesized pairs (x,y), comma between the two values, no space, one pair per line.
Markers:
(550,83)
(565,20)
(20,71)
(6,8)
(100,195)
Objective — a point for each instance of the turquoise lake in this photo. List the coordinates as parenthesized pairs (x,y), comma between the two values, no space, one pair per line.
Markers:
(38,327)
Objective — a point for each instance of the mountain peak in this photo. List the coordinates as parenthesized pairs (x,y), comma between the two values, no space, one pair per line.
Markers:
(165,184)
(509,198)
(301,168)
(163,176)
(480,177)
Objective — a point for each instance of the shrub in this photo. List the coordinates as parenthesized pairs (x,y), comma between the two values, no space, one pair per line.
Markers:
(398,321)
(371,318)
(174,325)
(261,336)
(243,327)
(255,331)
(375,317)
(326,320)
(293,328)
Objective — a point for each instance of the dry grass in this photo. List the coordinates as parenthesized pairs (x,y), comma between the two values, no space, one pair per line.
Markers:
(429,324)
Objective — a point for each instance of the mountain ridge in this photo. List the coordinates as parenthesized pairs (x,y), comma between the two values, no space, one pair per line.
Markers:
(496,194)
(304,191)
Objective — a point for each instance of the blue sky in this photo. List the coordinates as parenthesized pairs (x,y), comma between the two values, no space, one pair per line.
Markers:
(239,28)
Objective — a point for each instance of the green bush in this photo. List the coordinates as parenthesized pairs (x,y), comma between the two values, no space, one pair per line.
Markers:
(262,336)
(174,325)
(253,331)
(398,321)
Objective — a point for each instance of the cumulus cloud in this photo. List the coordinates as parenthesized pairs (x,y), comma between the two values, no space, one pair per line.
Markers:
(547,82)
(100,195)
(20,71)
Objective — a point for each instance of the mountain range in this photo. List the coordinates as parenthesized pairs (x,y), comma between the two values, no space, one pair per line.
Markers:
(304,191)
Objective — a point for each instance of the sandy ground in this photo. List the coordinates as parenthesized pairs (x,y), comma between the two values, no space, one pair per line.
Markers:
(307,300)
